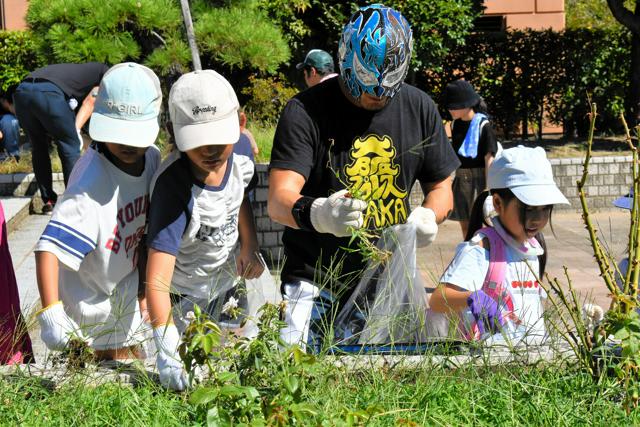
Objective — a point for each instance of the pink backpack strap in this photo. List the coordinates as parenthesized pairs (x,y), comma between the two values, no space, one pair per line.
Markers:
(494,280)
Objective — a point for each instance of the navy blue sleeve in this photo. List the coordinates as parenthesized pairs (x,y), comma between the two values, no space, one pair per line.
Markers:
(170,210)
(243,147)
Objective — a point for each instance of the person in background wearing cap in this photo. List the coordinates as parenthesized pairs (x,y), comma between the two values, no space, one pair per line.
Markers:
(199,212)
(364,132)
(87,257)
(523,191)
(46,102)
(316,67)
(474,141)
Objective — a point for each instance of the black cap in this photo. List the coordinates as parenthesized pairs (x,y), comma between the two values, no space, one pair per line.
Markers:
(460,94)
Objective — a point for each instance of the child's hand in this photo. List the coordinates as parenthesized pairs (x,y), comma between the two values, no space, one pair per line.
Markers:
(486,312)
(250,264)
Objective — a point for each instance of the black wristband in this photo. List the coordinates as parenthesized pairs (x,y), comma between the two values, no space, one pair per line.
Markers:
(301,212)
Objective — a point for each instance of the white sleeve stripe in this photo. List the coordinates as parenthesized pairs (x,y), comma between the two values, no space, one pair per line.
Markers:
(73,231)
(63,247)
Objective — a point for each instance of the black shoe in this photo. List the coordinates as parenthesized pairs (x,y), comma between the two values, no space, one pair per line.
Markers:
(47,208)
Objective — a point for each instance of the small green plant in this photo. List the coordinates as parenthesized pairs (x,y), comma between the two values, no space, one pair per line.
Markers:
(258,382)
(610,346)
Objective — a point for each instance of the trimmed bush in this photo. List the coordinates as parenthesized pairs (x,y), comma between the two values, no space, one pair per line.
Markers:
(19,58)
(527,75)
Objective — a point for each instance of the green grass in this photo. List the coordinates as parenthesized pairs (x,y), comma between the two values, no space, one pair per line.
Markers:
(10,166)
(513,395)
(264,139)
(469,396)
(27,401)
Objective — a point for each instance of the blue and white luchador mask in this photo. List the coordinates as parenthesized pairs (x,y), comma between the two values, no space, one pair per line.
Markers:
(375,51)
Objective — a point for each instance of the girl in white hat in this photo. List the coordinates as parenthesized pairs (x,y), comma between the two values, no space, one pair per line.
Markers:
(491,287)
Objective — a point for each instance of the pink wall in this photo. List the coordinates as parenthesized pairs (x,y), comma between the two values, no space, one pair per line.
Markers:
(15,12)
(534,14)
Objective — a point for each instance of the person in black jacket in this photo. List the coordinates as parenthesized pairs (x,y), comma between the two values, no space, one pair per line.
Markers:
(46,102)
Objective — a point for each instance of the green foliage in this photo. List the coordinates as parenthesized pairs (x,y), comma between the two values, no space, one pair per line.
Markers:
(438,28)
(240,37)
(610,347)
(18,53)
(86,30)
(524,75)
(232,34)
(424,395)
(438,25)
(592,14)
(268,96)
(264,139)
(255,382)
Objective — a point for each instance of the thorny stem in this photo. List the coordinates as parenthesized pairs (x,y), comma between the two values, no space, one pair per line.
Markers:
(601,258)
(633,270)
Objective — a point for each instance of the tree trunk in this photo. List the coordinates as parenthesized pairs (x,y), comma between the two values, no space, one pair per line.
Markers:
(633,100)
(632,22)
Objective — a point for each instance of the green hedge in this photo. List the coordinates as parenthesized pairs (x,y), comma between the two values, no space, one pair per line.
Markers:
(525,74)
(19,58)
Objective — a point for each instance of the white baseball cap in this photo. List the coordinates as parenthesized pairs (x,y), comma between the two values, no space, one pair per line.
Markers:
(204,110)
(625,202)
(527,173)
(127,106)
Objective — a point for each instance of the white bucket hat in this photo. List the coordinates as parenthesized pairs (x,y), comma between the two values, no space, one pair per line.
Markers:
(127,106)
(527,173)
(204,110)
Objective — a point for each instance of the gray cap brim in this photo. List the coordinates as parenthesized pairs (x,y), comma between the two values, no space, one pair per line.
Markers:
(135,133)
(539,195)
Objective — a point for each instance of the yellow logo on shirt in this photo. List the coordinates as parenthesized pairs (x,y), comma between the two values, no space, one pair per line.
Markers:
(372,175)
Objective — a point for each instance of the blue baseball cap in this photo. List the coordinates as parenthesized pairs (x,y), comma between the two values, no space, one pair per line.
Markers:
(127,106)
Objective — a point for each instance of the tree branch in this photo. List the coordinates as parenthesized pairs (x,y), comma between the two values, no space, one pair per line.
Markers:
(625,16)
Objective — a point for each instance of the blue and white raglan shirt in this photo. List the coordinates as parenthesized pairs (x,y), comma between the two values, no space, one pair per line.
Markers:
(197,223)
(94,232)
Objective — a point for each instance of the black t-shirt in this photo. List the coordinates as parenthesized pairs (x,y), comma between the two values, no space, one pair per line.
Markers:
(75,80)
(321,134)
(486,144)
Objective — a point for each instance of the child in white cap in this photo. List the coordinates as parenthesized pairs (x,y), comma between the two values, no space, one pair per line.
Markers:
(87,257)
(491,285)
(199,212)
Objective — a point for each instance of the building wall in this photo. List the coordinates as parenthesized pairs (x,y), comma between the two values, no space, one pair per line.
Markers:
(534,14)
(15,12)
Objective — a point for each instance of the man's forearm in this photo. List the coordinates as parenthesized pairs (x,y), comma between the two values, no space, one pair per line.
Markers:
(439,198)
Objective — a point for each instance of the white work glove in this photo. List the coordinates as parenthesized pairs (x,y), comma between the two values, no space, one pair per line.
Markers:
(337,213)
(170,367)
(426,225)
(488,210)
(56,327)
